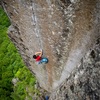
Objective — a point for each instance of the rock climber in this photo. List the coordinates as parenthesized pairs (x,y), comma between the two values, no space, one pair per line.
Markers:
(46,97)
(38,57)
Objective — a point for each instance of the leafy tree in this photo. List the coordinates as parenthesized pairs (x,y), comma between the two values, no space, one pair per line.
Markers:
(5,21)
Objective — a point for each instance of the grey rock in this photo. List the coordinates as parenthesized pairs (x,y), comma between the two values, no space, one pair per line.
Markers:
(88,83)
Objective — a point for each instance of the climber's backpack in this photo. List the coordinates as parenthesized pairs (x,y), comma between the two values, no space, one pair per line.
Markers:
(43,60)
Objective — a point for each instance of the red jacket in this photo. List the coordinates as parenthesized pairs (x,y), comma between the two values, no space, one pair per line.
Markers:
(38,58)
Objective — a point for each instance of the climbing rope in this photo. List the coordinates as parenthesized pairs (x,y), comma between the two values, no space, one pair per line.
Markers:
(35,21)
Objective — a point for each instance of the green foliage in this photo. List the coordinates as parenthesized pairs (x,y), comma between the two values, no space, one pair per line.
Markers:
(25,85)
(12,67)
(4,21)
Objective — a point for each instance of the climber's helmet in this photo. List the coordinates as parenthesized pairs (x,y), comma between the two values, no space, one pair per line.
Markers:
(34,56)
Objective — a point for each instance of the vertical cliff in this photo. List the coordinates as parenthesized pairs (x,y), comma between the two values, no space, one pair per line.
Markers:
(64,29)
(84,82)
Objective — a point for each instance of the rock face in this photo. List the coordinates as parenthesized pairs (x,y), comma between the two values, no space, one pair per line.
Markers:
(84,82)
(64,29)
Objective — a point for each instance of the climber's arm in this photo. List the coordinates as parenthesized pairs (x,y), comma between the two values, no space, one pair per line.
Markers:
(39,53)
